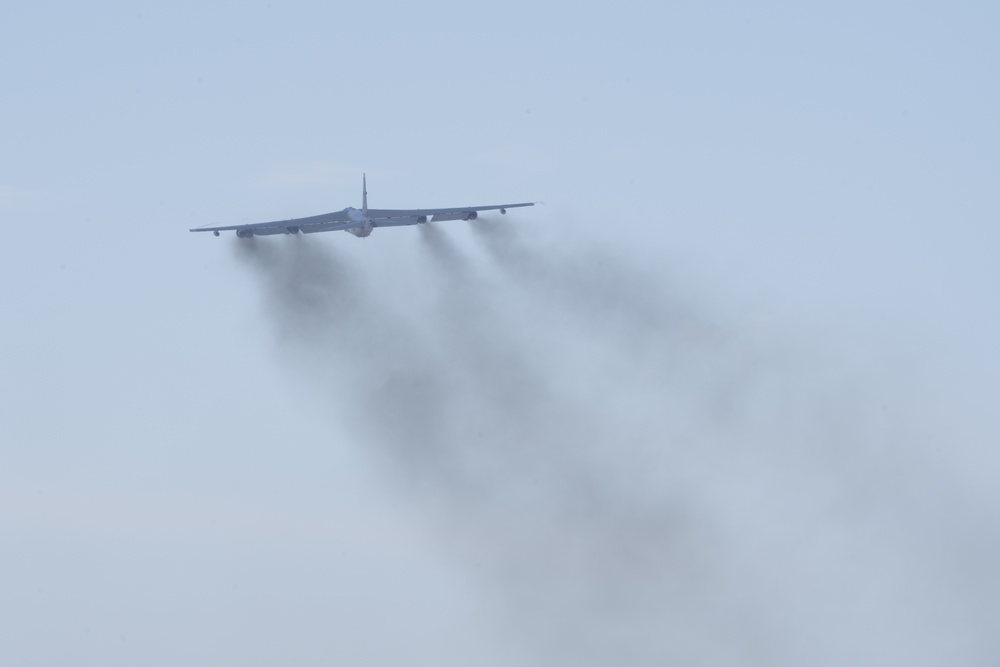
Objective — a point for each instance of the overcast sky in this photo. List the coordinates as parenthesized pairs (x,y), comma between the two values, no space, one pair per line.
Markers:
(745,351)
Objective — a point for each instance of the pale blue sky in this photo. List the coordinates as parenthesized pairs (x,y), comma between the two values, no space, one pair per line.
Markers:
(818,180)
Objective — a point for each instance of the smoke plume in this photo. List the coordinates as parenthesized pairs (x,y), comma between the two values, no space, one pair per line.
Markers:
(644,485)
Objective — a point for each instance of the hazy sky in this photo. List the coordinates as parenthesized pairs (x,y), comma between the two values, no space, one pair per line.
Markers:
(754,323)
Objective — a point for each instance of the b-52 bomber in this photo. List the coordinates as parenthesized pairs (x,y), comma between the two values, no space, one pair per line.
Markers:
(362,222)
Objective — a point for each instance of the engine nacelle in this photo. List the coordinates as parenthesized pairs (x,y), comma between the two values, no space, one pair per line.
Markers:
(421,219)
(460,215)
(244,233)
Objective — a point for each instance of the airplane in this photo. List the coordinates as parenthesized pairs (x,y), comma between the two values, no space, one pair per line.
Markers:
(359,223)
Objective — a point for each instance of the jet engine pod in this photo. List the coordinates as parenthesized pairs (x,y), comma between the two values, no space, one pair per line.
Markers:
(244,233)
(421,219)
(458,215)
(293,230)
(503,211)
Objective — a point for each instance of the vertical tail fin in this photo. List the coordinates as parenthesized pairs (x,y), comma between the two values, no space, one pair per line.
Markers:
(364,195)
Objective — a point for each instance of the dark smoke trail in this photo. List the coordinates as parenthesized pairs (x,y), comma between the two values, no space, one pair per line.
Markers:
(646,488)
(588,281)
(573,529)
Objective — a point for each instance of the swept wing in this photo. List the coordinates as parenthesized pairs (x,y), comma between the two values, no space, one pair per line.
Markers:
(389,213)
(323,222)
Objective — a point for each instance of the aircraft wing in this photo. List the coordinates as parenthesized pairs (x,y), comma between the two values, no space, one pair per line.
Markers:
(459,212)
(325,222)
